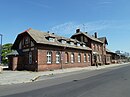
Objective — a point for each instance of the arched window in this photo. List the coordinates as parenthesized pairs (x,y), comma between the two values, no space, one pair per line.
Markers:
(72,58)
(58,57)
(66,57)
(30,57)
(49,57)
(85,58)
(79,58)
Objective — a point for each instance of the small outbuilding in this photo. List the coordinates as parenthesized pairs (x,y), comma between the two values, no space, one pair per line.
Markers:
(13,60)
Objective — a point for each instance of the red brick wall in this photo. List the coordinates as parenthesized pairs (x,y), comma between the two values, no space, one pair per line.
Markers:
(42,59)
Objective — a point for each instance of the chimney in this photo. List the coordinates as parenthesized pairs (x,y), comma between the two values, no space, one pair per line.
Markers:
(77,30)
(95,34)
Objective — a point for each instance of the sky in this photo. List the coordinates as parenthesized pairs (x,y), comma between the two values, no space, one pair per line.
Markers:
(110,18)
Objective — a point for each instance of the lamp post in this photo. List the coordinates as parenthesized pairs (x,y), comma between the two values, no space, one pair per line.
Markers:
(1,49)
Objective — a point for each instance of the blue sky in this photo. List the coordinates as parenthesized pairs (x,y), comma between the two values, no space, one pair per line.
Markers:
(110,18)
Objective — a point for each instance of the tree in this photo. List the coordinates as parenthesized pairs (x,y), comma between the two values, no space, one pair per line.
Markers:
(6,49)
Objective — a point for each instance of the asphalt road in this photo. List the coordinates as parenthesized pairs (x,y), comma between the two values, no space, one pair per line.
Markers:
(110,82)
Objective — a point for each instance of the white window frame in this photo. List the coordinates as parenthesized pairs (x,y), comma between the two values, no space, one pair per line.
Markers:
(108,59)
(85,58)
(88,57)
(49,57)
(78,44)
(51,39)
(72,58)
(63,41)
(58,57)
(84,45)
(79,58)
(100,57)
(71,43)
(66,57)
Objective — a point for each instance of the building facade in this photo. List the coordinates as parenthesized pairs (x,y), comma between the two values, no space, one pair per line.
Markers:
(98,45)
(40,51)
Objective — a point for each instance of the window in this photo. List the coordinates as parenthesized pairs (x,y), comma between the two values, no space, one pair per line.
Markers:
(79,58)
(72,58)
(100,58)
(93,47)
(99,48)
(63,41)
(26,40)
(30,57)
(66,57)
(20,45)
(49,57)
(58,57)
(71,43)
(108,59)
(89,58)
(85,58)
(78,44)
(51,39)
(84,45)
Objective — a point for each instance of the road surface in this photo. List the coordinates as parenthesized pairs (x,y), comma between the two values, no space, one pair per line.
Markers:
(110,82)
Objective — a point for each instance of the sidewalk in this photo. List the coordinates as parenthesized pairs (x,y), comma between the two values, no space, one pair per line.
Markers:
(15,77)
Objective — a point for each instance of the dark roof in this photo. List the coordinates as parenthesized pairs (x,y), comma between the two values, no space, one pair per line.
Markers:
(89,36)
(41,38)
(103,39)
(13,53)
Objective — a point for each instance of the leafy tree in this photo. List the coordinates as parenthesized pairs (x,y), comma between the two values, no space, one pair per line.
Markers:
(6,49)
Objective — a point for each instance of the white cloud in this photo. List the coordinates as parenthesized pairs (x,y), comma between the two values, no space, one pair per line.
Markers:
(106,26)
(67,29)
(64,29)
(114,30)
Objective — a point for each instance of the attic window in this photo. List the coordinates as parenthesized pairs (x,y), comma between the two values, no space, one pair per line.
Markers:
(63,41)
(71,43)
(51,39)
(26,40)
(78,44)
(84,45)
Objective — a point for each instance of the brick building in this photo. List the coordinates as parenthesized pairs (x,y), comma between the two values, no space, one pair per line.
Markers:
(98,45)
(46,51)
(38,51)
